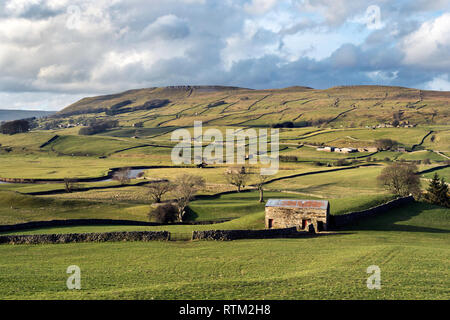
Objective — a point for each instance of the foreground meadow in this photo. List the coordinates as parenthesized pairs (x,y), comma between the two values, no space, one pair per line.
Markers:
(410,245)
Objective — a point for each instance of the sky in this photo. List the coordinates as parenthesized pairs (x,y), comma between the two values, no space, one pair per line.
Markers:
(54,52)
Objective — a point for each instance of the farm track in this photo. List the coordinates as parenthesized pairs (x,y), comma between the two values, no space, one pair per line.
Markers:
(442,154)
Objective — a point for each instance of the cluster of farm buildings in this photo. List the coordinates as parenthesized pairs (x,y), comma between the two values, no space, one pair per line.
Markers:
(348,150)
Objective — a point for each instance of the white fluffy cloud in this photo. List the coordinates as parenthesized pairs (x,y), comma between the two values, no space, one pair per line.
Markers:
(167,27)
(260,6)
(17,7)
(63,49)
(441,83)
(429,46)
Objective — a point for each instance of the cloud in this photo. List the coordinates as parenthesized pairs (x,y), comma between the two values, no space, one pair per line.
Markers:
(346,56)
(17,7)
(167,27)
(259,6)
(441,83)
(63,49)
(429,46)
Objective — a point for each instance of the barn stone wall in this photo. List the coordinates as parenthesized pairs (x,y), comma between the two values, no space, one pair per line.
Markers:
(224,235)
(286,217)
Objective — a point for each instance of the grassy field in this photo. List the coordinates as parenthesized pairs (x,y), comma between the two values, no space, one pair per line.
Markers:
(334,184)
(406,244)
(409,244)
(54,167)
(444,173)
(17,208)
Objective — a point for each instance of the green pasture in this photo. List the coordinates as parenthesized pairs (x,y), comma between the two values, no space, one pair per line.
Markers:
(443,173)
(242,209)
(345,183)
(17,208)
(410,245)
(421,155)
(54,167)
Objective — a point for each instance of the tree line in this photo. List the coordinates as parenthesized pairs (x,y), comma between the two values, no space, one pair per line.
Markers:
(15,126)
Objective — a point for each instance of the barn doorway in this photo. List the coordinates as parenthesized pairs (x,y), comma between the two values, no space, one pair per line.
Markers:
(270,223)
(304,223)
(320,226)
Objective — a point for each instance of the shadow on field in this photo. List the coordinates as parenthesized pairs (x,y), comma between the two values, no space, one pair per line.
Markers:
(314,188)
(397,219)
(304,235)
(190,215)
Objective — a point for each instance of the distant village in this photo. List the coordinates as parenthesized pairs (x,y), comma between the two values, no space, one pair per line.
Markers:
(398,124)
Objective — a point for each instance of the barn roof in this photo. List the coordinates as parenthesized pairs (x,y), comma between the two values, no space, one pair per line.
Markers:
(293,203)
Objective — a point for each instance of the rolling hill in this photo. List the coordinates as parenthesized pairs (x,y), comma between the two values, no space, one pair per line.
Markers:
(345,106)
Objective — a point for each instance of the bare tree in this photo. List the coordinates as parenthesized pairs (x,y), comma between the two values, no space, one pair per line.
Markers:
(186,186)
(69,185)
(261,180)
(401,179)
(237,176)
(158,189)
(122,175)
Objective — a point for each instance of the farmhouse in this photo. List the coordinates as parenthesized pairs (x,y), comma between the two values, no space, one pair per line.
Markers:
(368,149)
(326,149)
(297,213)
(345,150)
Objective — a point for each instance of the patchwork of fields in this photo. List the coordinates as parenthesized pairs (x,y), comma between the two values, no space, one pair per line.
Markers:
(410,244)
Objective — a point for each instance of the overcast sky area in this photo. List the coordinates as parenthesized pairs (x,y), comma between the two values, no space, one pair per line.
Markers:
(54,52)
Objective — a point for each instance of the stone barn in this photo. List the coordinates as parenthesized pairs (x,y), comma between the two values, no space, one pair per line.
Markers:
(297,213)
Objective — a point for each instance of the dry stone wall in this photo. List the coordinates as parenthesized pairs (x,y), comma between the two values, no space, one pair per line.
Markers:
(92,222)
(225,235)
(85,237)
(349,218)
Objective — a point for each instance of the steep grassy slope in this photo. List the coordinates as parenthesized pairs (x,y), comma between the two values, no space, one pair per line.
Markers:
(334,107)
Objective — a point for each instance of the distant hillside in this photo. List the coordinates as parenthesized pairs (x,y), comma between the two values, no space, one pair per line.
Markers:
(347,106)
(8,115)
